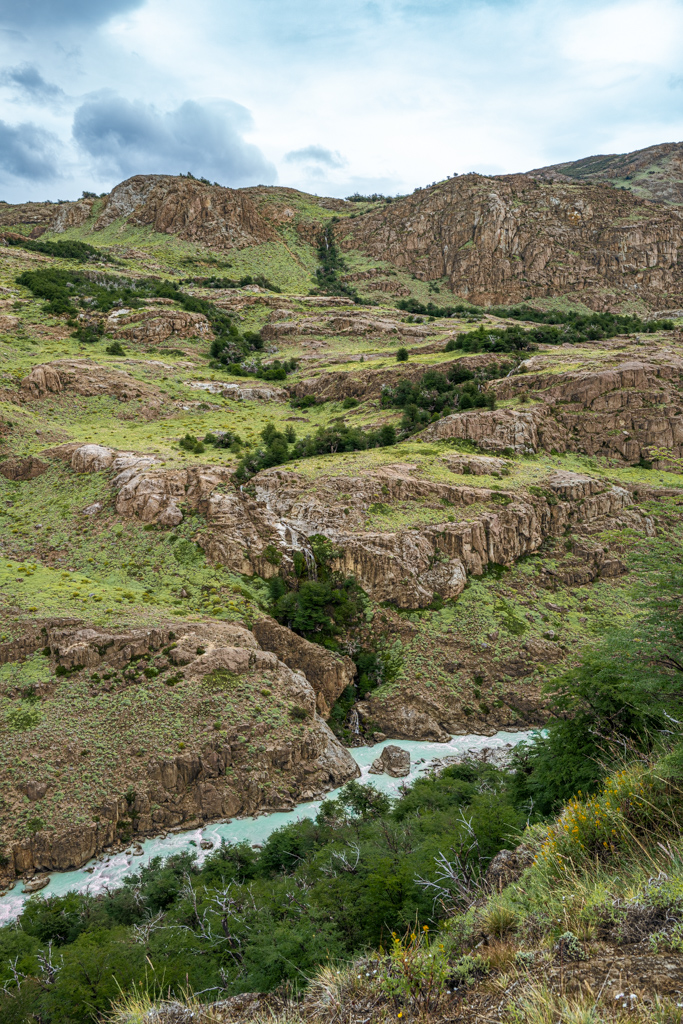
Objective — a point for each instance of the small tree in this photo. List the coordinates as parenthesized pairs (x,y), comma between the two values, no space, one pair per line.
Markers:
(402,355)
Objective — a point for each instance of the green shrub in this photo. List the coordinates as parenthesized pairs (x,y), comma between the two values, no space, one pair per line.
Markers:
(402,355)
(115,349)
(23,718)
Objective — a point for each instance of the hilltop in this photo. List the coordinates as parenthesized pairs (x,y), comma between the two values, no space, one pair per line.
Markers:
(654,173)
(485,240)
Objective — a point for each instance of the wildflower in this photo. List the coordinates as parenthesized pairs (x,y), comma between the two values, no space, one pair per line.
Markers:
(425,928)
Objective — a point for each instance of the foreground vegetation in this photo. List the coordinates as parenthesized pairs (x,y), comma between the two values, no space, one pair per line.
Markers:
(597,799)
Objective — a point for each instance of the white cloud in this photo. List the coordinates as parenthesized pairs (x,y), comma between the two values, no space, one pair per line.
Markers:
(408,92)
(646,32)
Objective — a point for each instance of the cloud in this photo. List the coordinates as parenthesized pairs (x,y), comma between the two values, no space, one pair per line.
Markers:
(41,14)
(126,138)
(29,82)
(28,152)
(316,155)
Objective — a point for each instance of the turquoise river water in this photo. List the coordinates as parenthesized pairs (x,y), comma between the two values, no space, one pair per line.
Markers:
(108,872)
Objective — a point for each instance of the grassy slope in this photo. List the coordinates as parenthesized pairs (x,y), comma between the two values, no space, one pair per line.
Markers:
(115,572)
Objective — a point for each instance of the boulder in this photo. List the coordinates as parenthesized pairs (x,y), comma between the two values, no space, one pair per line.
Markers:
(36,884)
(507,866)
(33,790)
(392,761)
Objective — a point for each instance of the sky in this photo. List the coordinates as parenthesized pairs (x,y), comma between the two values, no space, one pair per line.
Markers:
(331,98)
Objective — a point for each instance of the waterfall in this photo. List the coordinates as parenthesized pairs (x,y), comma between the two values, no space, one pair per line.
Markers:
(310,563)
(354,722)
(300,543)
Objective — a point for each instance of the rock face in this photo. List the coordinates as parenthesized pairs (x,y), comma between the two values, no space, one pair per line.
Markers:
(392,761)
(408,567)
(239,770)
(329,674)
(241,393)
(222,218)
(497,239)
(503,239)
(618,413)
(354,323)
(153,326)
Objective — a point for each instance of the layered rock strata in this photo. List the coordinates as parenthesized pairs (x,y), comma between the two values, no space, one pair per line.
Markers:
(408,567)
(617,413)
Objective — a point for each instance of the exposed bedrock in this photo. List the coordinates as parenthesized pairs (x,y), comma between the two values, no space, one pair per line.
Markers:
(211,780)
(83,377)
(328,673)
(408,567)
(508,238)
(618,413)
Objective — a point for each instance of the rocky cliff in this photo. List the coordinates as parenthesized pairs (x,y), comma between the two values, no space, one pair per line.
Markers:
(270,749)
(563,230)
(509,238)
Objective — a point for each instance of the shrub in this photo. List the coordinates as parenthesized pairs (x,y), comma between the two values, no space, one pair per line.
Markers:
(298,714)
(115,349)
(89,333)
(416,970)
(191,444)
(402,355)
(349,402)
(23,718)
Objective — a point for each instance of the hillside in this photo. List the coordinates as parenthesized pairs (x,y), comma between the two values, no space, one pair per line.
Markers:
(271,488)
(484,240)
(654,173)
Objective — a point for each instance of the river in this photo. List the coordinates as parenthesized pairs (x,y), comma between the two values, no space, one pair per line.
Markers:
(107,872)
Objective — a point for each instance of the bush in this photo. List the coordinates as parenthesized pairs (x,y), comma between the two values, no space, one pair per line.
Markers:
(277,450)
(191,444)
(89,333)
(435,395)
(348,403)
(402,355)
(307,402)
(115,349)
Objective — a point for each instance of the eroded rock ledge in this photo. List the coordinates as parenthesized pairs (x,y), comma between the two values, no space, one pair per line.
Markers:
(408,566)
(247,766)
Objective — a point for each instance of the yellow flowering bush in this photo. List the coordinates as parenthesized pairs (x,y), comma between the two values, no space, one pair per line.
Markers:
(416,970)
(632,803)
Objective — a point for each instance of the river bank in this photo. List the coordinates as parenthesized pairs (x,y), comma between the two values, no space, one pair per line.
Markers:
(108,871)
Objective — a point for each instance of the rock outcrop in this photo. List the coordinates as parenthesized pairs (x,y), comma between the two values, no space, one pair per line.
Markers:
(242,769)
(241,392)
(407,567)
(329,674)
(84,377)
(505,239)
(153,326)
(617,413)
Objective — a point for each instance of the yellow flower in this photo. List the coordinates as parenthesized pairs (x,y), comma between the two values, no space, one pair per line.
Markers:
(425,928)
